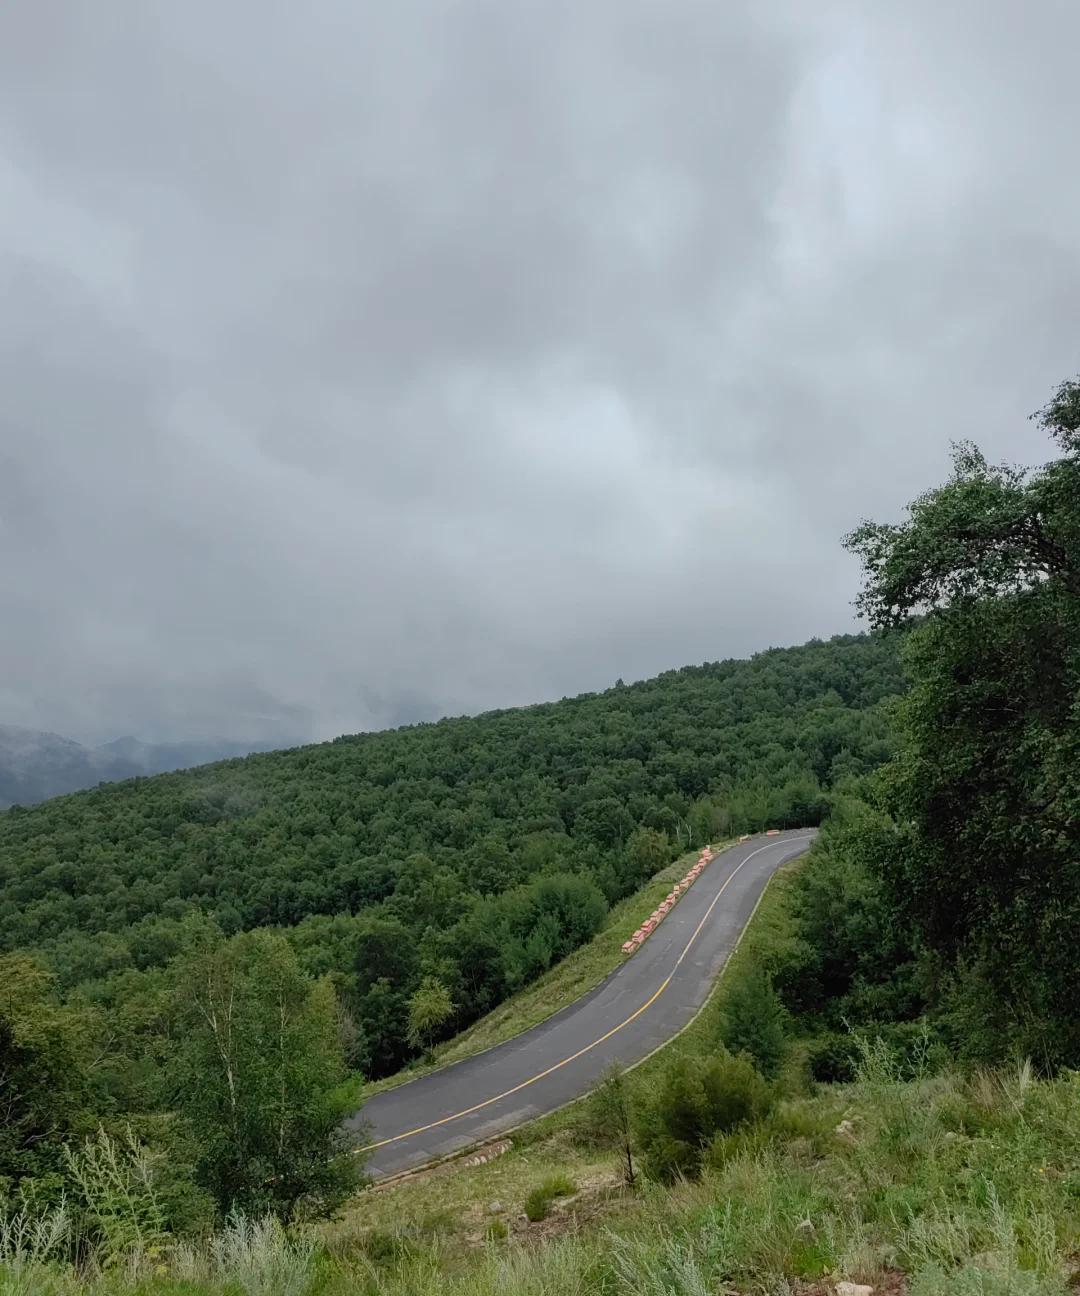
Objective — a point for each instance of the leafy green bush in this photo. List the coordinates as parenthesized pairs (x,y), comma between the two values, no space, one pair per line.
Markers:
(697,1099)
(755,1020)
(833,1058)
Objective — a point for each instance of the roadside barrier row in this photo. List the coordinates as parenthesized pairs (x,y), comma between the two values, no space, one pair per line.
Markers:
(666,905)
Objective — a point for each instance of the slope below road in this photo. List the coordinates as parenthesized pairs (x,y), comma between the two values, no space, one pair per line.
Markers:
(640,1006)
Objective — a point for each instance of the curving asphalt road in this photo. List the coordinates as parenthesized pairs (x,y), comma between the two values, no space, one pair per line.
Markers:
(640,1006)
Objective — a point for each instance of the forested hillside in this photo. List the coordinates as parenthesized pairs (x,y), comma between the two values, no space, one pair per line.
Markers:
(475,851)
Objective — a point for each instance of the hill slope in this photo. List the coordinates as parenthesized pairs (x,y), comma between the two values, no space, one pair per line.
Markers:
(476,850)
(36,765)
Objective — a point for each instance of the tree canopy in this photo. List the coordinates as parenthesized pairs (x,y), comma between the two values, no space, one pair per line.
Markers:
(957,888)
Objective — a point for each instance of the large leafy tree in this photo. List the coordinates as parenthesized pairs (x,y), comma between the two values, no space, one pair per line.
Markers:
(984,856)
(260,1077)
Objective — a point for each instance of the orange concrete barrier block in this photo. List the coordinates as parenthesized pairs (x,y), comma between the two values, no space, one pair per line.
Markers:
(772,832)
(629,947)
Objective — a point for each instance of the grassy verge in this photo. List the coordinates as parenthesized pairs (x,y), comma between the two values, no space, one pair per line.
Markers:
(568,980)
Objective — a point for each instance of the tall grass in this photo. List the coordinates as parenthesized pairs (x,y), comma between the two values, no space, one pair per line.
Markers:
(256,1256)
(32,1245)
(121,1209)
(970,1185)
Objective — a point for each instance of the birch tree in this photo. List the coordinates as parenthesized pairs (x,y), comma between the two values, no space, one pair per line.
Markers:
(261,1078)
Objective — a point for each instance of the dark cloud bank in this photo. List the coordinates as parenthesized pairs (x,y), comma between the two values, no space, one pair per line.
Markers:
(363,363)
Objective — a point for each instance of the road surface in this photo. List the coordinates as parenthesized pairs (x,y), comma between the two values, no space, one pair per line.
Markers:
(639,1006)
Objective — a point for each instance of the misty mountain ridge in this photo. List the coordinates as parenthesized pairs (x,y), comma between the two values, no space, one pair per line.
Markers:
(36,764)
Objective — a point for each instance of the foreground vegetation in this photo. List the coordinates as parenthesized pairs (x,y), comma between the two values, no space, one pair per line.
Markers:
(909,1176)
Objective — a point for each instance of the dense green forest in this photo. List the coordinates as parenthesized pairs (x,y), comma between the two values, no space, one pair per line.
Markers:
(206,961)
(476,851)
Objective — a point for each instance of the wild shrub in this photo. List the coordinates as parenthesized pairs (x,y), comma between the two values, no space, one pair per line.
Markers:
(538,1202)
(833,1058)
(754,1021)
(697,1099)
(122,1211)
(256,1257)
(30,1246)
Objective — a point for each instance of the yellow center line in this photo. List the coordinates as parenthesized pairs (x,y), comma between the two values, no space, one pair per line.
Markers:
(540,1075)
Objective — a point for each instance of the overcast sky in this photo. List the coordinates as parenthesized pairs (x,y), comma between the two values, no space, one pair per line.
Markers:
(362,363)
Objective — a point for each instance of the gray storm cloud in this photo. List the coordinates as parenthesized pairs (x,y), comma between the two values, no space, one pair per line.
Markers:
(366,363)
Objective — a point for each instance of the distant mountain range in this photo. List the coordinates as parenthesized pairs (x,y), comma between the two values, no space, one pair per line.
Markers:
(35,765)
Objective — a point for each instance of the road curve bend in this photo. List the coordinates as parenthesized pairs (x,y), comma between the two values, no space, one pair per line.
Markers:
(638,1007)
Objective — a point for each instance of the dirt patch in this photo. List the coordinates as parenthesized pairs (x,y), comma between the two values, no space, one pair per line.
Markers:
(596,1196)
(893,1282)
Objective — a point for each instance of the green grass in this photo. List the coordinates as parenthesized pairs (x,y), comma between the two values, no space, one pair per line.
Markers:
(577,974)
(455,1203)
